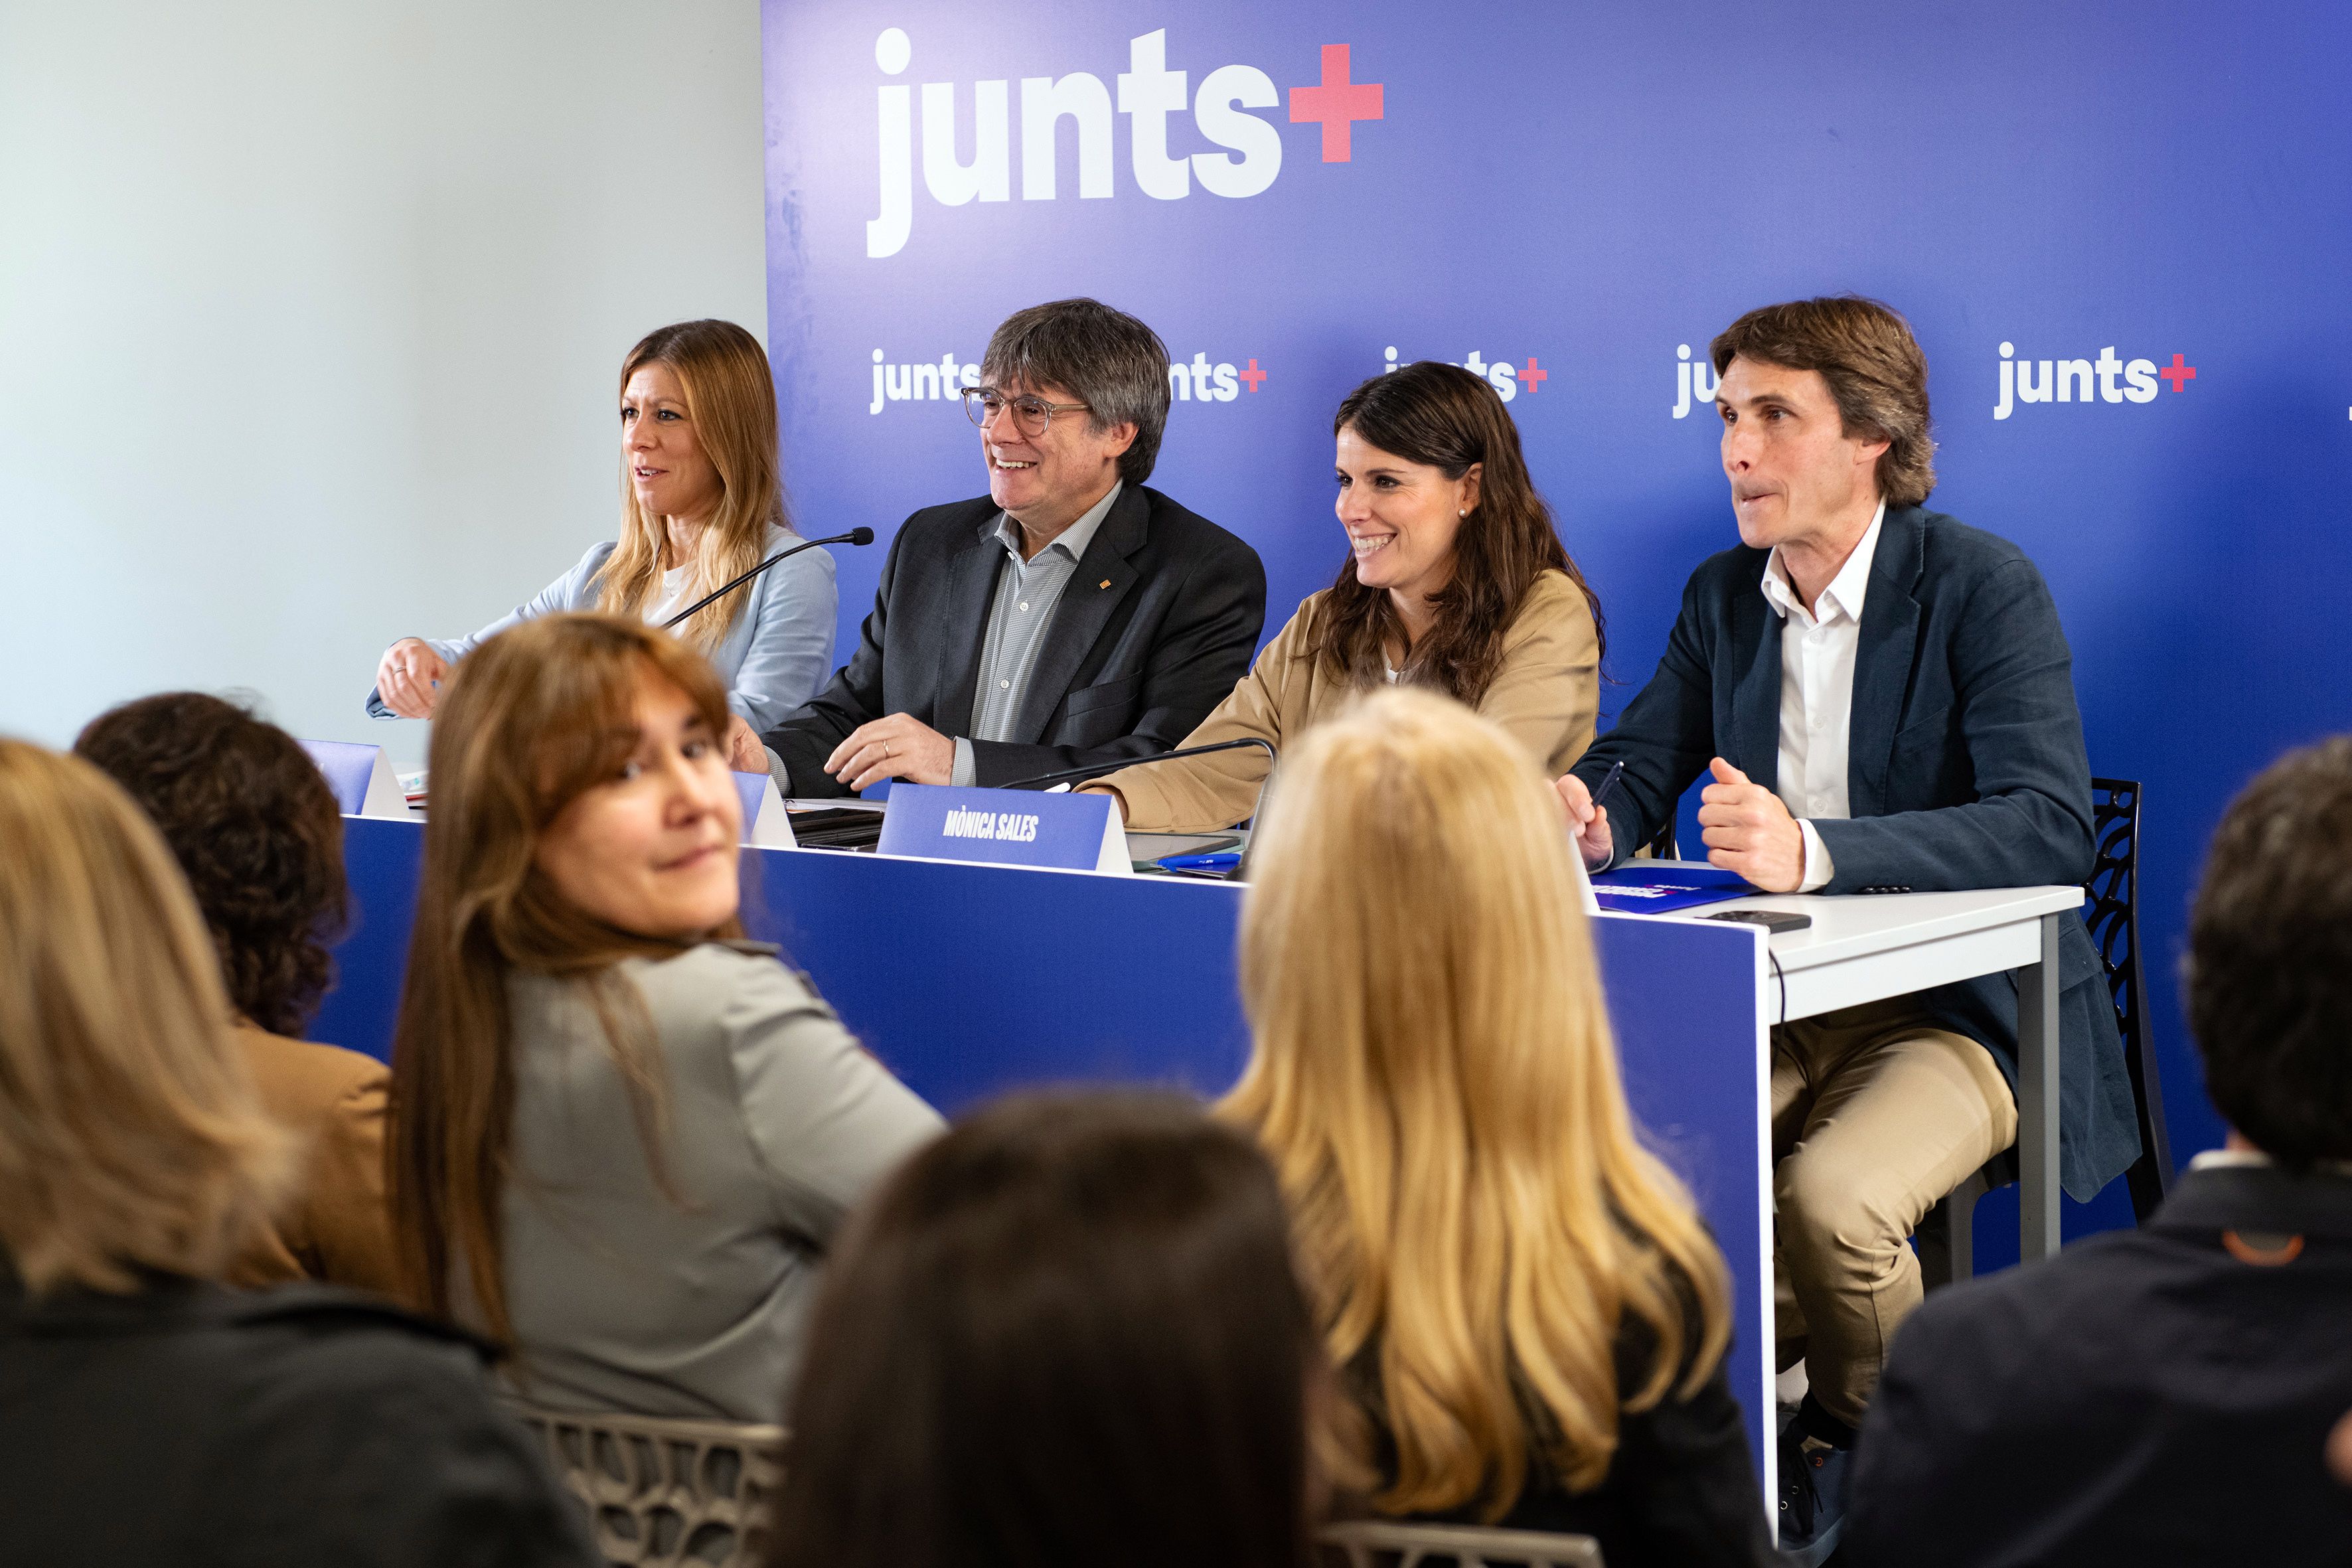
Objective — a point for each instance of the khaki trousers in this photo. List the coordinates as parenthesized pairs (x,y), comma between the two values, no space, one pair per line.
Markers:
(1876,1114)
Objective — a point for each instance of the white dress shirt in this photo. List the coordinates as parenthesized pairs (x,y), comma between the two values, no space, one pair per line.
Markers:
(2240,1159)
(1818,650)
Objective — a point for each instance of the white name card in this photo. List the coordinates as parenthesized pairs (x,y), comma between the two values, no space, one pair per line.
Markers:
(767,824)
(360,778)
(1005,827)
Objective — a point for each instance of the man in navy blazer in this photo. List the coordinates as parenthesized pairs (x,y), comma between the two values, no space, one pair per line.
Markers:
(2166,1394)
(1071,616)
(1883,698)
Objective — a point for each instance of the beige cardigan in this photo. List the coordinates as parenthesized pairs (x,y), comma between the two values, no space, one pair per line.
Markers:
(335,1226)
(1545,694)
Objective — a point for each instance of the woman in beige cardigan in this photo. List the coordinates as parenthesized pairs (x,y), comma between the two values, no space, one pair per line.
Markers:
(1455,580)
(256,834)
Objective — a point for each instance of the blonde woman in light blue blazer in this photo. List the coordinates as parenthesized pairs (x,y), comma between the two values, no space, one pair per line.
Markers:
(701,503)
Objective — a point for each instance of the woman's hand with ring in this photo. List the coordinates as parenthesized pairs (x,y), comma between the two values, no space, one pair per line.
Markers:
(409,678)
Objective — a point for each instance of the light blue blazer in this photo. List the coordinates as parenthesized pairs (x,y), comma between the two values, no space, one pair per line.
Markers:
(772,658)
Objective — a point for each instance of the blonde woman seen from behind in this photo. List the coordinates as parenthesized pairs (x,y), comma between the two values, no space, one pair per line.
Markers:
(701,503)
(1522,1304)
(146,1414)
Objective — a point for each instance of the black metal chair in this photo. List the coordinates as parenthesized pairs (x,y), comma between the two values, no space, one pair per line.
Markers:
(2113,920)
(1947,1236)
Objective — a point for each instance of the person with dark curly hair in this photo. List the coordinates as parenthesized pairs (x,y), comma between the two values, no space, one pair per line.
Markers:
(255,831)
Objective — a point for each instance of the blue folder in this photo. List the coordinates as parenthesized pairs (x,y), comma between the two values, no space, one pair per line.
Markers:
(1643,889)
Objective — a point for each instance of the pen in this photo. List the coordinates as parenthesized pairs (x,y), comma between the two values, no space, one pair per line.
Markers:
(1608,784)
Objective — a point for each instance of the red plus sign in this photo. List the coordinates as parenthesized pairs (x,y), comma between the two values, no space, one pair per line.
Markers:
(2177,373)
(1253,375)
(1531,378)
(1338,103)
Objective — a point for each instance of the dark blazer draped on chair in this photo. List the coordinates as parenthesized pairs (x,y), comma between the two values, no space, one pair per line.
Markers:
(1966,769)
(1157,625)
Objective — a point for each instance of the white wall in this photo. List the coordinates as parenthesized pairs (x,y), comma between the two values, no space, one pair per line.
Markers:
(310,313)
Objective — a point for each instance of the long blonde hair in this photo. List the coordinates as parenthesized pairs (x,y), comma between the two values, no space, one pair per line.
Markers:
(531,719)
(129,1133)
(731,404)
(1434,1080)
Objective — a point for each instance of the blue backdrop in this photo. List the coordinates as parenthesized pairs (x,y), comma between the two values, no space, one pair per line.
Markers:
(1571,197)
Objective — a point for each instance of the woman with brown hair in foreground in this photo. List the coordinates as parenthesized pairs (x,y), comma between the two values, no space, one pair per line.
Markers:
(622,1137)
(1065,1335)
(1519,1299)
(146,1415)
(254,826)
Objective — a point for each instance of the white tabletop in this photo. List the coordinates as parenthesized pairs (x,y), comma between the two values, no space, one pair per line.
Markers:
(1866,947)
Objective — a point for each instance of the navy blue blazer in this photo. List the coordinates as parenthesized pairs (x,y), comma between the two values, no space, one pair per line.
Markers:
(2147,1396)
(1965,769)
(1154,630)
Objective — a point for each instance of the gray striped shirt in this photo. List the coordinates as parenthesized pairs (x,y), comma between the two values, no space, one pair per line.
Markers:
(1027,592)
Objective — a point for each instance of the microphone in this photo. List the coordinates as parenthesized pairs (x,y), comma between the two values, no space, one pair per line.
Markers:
(854,536)
(1076,776)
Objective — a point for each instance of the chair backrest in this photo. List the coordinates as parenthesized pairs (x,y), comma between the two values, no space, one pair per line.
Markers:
(1384,1544)
(2112,917)
(663,1492)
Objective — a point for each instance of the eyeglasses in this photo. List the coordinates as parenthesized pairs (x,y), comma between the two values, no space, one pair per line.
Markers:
(1031,414)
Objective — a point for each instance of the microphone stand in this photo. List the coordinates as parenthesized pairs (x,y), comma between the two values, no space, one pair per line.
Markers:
(1076,775)
(1241,869)
(854,536)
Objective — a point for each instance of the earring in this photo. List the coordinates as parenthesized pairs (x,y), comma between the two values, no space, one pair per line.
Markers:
(1463,512)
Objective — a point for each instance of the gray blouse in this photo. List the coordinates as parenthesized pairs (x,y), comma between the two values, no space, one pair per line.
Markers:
(624,1299)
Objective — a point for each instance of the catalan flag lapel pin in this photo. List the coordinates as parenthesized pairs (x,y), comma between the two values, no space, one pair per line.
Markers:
(1104,584)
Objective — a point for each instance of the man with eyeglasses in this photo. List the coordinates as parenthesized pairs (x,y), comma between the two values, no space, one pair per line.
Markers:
(1070,616)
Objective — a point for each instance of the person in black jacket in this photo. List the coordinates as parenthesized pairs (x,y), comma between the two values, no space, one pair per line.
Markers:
(2167,1395)
(147,1415)
(1069,617)
(179,1422)
(1883,700)
(1524,1310)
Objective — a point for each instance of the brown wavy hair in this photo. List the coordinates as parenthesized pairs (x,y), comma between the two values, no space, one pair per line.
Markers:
(1875,369)
(256,832)
(529,723)
(1443,416)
